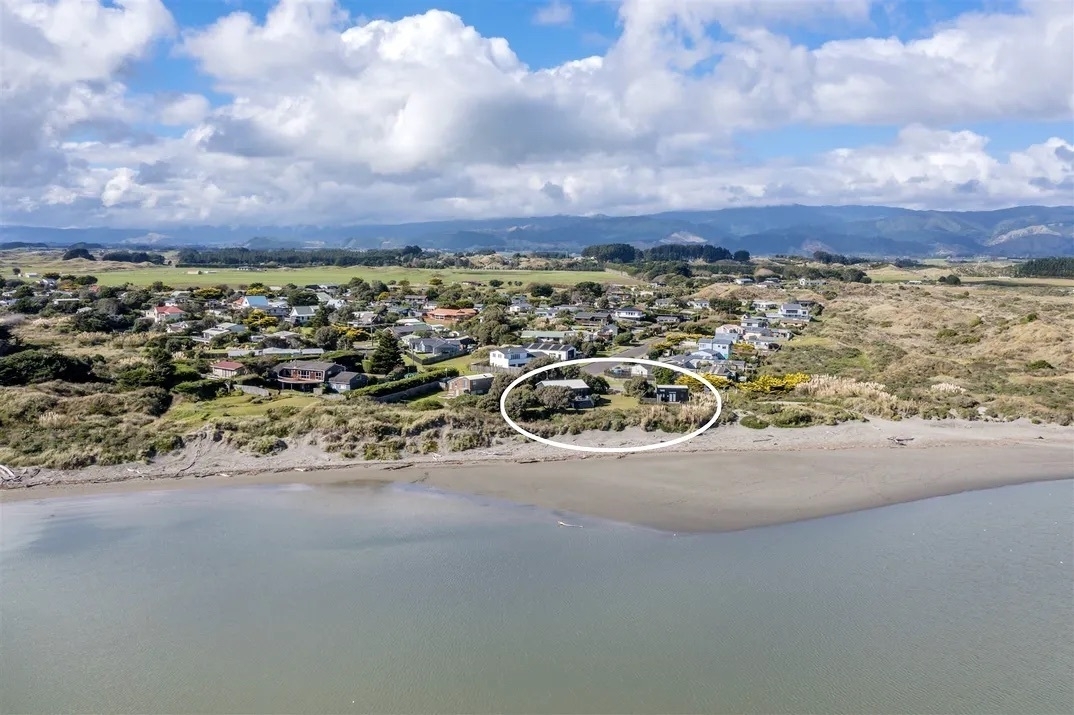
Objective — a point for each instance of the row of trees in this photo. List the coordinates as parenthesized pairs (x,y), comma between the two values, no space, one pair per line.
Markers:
(625,253)
(1054,267)
(299,257)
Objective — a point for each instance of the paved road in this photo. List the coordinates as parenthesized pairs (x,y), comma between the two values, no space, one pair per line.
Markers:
(598,368)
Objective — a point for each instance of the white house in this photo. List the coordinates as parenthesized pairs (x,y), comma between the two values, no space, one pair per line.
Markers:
(301,314)
(629,313)
(165,313)
(794,311)
(752,322)
(510,356)
(718,344)
(743,281)
(252,302)
(698,304)
(557,350)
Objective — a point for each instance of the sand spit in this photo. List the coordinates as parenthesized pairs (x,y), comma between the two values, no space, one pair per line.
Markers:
(729,478)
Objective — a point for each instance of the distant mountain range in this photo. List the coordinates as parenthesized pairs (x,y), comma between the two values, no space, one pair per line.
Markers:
(872,231)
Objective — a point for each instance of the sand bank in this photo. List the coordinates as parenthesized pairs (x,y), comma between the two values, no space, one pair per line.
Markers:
(730,478)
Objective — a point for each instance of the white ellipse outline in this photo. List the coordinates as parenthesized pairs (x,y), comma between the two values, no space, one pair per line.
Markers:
(610,450)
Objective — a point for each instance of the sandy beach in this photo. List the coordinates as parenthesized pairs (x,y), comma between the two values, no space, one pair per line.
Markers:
(730,478)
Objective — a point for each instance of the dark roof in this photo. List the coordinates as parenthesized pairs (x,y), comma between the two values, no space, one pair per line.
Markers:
(343,377)
(549,346)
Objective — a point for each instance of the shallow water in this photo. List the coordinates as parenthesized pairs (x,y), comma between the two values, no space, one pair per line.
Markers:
(295,599)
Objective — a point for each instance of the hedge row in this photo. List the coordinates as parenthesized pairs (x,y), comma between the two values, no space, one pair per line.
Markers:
(417,380)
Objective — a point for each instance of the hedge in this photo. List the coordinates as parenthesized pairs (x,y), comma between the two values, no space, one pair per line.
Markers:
(200,389)
(421,378)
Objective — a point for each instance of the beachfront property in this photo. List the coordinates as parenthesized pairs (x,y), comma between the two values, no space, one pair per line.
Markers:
(672,393)
(581,391)
(305,374)
(346,381)
(629,313)
(793,311)
(470,384)
(227,369)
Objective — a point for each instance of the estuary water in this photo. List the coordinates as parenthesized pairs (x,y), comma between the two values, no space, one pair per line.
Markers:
(298,599)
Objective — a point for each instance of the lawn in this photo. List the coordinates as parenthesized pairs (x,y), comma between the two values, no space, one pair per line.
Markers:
(110,274)
(618,401)
(461,363)
(238,406)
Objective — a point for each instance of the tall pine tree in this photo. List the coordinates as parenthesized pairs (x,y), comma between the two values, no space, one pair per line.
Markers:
(387,356)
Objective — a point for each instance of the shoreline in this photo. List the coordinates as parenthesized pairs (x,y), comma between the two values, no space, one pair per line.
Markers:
(735,479)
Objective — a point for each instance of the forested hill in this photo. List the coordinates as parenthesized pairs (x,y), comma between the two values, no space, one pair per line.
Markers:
(869,231)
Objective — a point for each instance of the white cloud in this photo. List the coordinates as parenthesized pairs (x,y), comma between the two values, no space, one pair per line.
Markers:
(556,12)
(335,119)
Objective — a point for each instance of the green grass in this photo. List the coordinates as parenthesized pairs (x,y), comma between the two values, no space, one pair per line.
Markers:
(618,402)
(238,406)
(461,363)
(179,278)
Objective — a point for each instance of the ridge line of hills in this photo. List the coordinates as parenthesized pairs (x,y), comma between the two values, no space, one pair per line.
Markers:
(871,231)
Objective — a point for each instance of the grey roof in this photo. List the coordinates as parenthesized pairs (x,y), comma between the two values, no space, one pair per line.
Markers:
(304,310)
(672,387)
(344,377)
(570,384)
(554,347)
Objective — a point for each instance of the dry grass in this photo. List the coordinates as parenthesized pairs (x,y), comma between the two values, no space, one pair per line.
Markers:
(978,342)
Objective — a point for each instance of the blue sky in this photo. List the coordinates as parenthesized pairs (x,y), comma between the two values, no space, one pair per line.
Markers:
(173,112)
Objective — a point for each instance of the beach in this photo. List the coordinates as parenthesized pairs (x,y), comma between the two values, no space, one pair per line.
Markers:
(729,478)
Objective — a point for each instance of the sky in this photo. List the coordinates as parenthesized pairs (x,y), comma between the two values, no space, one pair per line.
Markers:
(156,113)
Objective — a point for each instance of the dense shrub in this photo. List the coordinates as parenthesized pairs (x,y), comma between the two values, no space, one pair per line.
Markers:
(34,366)
(416,380)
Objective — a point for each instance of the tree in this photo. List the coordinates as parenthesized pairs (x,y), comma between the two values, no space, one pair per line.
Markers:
(301,296)
(623,339)
(78,253)
(555,397)
(387,356)
(638,387)
(16,270)
(597,384)
(664,376)
(322,318)
(495,283)
(327,337)
(519,400)
(33,366)
(741,256)
(541,290)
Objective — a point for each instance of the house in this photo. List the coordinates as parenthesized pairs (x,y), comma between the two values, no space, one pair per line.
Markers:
(743,281)
(301,314)
(664,303)
(730,329)
(581,391)
(509,356)
(363,319)
(345,381)
(751,322)
(520,306)
(672,393)
(698,304)
(549,335)
(451,315)
(719,344)
(165,314)
(808,283)
(594,319)
(669,319)
(181,327)
(223,329)
(559,351)
(629,313)
(305,374)
(793,311)
(470,384)
(630,369)
(252,302)
(227,368)
(411,328)
(434,346)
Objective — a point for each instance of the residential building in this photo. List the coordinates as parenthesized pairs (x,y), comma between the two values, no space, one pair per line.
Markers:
(752,322)
(698,304)
(793,311)
(223,329)
(470,384)
(559,351)
(301,314)
(672,393)
(305,374)
(165,314)
(227,368)
(629,313)
(510,356)
(346,381)
(669,319)
(591,319)
(434,347)
(547,335)
(743,281)
(581,391)
(252,302)
(451,315)
(719,344)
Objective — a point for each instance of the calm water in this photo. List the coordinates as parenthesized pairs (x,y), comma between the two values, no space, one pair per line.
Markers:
(297,600)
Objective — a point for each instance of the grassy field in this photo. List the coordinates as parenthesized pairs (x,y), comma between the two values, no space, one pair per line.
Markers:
(111,273)
(974,351)
(198,413)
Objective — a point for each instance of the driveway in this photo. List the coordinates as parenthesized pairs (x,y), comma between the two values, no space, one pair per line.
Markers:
(641,351)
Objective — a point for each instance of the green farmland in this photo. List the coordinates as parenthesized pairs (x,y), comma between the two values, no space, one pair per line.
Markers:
(112,274)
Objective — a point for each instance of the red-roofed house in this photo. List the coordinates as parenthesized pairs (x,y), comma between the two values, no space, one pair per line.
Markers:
(227,368)
(450,315)
(165,314)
